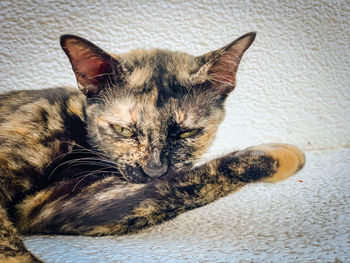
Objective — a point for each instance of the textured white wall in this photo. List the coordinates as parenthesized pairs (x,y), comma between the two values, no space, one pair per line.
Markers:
(293,84)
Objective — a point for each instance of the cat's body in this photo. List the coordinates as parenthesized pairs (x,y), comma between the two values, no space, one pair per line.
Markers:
(120,157)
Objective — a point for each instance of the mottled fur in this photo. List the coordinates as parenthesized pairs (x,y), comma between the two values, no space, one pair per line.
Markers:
(65,168)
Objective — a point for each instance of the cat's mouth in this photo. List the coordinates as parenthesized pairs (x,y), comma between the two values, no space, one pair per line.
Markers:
(138,174)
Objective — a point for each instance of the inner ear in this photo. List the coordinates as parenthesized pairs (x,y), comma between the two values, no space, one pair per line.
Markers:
(93,67)
(220,66)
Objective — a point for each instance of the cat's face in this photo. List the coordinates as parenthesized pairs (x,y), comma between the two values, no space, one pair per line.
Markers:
(157,120)
(153,112)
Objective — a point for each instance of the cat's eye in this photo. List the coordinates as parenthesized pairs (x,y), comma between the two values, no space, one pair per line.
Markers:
(122,131)
(189,133)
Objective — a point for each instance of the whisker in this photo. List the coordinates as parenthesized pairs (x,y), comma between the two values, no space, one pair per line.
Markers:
(92,160)
(82,147)
(84,161)
(90,150)
(89,174)
(77,175)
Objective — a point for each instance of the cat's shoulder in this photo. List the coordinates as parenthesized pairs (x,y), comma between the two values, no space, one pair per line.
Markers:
(31,95)
(52,100)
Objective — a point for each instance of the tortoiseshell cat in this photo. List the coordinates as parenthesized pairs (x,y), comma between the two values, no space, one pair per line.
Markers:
(118,156)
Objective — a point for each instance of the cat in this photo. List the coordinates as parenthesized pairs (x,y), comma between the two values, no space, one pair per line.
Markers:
(119,155)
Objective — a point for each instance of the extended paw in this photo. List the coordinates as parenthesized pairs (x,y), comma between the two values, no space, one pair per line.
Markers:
(289,159)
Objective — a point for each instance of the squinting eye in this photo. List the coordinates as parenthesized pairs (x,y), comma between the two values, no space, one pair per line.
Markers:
(122,131)
(189,133)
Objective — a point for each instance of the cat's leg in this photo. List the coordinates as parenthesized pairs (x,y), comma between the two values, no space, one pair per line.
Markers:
(12,248)
(111,207)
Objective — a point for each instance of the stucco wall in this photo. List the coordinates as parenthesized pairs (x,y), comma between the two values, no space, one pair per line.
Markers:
(293,84)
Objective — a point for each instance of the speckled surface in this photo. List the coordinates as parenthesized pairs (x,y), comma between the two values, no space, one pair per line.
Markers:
(293,86)
(303,219)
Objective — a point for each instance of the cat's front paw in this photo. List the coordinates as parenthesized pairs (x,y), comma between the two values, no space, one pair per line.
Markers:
(289,159)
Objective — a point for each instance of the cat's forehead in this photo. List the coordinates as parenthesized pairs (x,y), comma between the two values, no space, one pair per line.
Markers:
(168,60)
(163,67)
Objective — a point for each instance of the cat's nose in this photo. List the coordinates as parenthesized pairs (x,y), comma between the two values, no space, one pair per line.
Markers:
(156,169)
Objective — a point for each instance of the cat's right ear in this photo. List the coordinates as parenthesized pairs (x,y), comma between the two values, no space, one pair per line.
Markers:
(93,67)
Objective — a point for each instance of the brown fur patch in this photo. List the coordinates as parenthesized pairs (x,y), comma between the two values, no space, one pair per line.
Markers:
(139,77)
(76,106)
(290,159)
(29,205)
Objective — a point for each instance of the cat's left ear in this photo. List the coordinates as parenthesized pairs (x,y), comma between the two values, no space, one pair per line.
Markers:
(220,66)
(93,67)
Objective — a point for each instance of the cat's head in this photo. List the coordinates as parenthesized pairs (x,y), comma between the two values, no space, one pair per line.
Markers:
(153,111)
